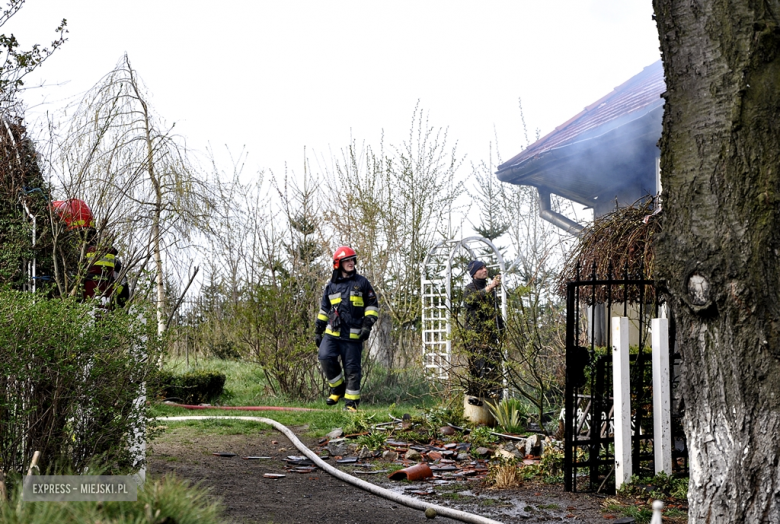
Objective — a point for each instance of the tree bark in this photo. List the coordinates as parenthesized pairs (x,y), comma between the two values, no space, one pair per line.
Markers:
(720,157)
(158,202)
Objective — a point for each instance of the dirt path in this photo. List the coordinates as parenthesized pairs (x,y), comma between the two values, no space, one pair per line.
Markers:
(317,497)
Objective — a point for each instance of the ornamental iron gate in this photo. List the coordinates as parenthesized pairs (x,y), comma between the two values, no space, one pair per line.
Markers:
(589,460)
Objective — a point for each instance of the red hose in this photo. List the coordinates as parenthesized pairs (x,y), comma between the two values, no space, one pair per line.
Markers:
(244,408)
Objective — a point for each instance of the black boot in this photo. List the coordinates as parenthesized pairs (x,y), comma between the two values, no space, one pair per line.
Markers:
(351,405)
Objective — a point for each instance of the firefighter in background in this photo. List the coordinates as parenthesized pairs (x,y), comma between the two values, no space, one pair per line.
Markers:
(482,334)
(348,310)
(102,281)
(75,213)
(104,268)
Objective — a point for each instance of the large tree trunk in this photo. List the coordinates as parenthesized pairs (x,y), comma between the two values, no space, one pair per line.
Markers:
(720,161)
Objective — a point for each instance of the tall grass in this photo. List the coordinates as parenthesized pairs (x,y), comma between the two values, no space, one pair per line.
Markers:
(163,500)
(396,386)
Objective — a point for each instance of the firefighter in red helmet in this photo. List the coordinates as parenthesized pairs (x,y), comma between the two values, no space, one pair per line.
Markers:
(348,310)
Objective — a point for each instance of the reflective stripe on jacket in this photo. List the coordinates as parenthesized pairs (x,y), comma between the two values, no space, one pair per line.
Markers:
(353,301)
(106,261)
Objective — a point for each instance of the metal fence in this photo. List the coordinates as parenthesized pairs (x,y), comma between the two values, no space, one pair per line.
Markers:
(589,460)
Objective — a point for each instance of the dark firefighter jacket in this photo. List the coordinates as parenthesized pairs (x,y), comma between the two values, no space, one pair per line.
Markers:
(101,276)
(483,318)
(348,304)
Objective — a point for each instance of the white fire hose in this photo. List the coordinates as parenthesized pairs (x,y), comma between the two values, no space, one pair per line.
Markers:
(362,484)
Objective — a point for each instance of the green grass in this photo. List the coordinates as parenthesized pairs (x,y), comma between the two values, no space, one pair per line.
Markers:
(642,515)
(400,386)
(393,467)
(373,441)
(674,513)
(246,383)
(246,386)
(309,423)
(160,500)
(199,428)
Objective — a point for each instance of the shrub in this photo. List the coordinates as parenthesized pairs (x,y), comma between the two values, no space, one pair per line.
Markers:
(277,331)
(359,422)
(23,187)
(71,383)
(224,350)
(661,486)
(482,437)
(383,385)
(505,476)
(551,465)
(442,414)
(194,387)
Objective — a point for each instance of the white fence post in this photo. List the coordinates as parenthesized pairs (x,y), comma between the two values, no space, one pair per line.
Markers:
(622,400)
(662,423)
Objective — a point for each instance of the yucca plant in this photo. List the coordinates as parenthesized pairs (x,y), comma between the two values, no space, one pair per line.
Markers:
(510,413)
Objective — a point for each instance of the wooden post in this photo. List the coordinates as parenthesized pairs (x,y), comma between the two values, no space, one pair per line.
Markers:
(622,400)
(34,462)
(662,420)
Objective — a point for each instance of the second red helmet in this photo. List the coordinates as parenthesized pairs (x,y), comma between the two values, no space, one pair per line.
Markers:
(342,253)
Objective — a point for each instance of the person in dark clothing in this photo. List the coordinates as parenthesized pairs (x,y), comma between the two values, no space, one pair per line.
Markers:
(482,334)
(348,310)
(102,281)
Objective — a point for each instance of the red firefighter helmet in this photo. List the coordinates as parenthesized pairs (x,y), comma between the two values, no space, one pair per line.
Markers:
(342,253)
(74,212)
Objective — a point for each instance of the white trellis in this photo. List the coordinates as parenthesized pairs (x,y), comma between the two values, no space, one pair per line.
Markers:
(440,269)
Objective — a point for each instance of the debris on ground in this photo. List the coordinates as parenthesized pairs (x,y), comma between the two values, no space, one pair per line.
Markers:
(449,455)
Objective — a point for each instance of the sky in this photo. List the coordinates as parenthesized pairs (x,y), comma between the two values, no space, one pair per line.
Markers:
(275,79)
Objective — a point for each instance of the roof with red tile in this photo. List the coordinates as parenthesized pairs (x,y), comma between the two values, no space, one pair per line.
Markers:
(641,92)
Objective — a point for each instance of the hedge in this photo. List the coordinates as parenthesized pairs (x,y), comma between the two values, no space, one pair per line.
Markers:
(195,387)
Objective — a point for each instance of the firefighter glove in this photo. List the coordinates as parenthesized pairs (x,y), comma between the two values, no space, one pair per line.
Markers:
(318,339)
(364,333)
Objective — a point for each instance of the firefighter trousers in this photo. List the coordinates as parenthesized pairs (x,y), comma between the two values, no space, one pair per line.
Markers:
(340,361)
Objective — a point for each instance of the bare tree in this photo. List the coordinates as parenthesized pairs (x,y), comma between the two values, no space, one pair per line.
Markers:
(16,63)
(119,157)
(392,207)
(236,215)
